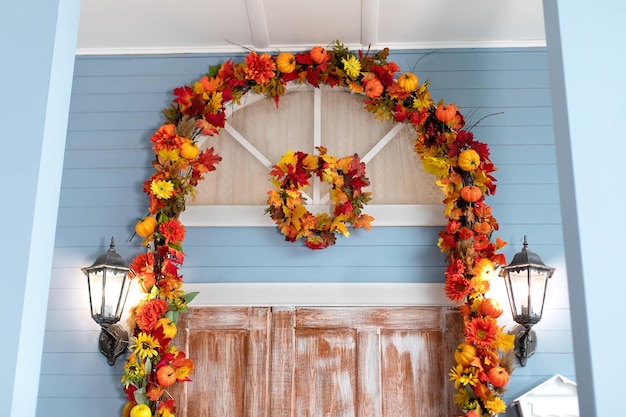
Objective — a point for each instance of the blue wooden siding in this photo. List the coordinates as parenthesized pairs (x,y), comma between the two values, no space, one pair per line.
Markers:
(116,105)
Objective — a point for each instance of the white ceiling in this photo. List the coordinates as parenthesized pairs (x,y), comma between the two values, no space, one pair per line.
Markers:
(188,26)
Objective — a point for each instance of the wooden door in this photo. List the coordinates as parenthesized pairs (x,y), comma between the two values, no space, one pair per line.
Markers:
(321,362)
(230,348)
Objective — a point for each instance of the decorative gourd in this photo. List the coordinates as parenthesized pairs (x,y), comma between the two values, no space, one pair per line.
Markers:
(319,55)
(408,82)
(166,375)
(498,376)
(471,193)
(373,88)
(484,267)
(445,113)
(465,354)
(189,150)
(491,308)
(286,62)
(468,160)
(146,226)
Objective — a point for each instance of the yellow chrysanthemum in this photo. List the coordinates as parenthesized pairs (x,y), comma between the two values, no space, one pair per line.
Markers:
(162,189)
(439,167)
(168,155)
(495,406)
(352,66)
(145,346)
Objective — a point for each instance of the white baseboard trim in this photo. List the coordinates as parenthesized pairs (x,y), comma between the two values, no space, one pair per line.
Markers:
(318,294)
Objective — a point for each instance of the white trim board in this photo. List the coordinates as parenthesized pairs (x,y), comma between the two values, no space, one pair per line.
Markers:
(384,215)
(332,294)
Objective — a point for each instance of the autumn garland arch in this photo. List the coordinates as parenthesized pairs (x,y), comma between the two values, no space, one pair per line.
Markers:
(471,253)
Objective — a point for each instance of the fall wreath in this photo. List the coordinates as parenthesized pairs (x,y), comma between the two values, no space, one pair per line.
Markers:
(460,164)
(286,207)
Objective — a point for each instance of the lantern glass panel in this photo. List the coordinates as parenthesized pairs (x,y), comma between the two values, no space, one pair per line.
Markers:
(538,284)
(96,284)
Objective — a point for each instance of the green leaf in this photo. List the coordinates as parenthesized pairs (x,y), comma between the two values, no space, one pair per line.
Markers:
(172,316)
(140,396)
(148,366)
(190,296)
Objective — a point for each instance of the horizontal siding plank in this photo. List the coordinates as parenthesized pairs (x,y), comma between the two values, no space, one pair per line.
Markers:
(71,341)
(78,386)
(253,274)
(91,406)
(512,135)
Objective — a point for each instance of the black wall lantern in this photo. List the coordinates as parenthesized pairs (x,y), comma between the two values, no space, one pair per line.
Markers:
(526,280)
(108,280)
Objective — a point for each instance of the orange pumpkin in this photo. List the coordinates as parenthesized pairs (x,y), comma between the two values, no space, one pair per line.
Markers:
(189,150)
(445,113)
(471,193)
(319,54)
(498,376)
(146,226)
(373,88)
(166,375)
(408,82)
(491,308)
(465,354)
(286,62)
(468,160)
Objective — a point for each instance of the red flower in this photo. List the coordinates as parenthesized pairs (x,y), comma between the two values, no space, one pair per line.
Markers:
(260,68)
(465,233)
(481,242)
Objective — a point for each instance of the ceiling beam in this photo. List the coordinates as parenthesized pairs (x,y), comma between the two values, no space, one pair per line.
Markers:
(258,24)
(369,22)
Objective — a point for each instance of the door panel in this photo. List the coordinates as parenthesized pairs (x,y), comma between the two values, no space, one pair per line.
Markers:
(320,362)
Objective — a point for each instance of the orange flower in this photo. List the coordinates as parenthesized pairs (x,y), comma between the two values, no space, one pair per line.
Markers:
(482,227)
(259,68)
(143,267)
(173,231)
(165,138)
(149,313)
(481,332)
(457,287)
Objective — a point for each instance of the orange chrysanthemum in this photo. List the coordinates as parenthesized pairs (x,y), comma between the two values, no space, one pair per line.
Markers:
(166,138)
(457,287)
(149,313)
(173,231)
(260,68)
(482,332)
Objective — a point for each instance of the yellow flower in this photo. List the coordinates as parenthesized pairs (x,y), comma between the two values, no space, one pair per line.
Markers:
(438,167)
(162,189)
(133,372)
(165,155)
(463,377)
(145,346)
(352,66)
(495,406)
